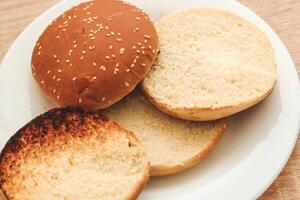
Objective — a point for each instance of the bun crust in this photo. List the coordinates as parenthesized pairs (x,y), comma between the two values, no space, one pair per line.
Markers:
(73,154)
(94,54)
(215,65)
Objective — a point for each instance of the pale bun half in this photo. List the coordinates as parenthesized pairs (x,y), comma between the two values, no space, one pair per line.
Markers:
(173,145)
(212,64)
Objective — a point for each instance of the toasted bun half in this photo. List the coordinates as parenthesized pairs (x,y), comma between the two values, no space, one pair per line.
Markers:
(212,64)
(94,54)
(73,154)
(173,145)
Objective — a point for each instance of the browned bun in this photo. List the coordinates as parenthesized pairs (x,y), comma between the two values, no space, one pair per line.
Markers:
(94,54)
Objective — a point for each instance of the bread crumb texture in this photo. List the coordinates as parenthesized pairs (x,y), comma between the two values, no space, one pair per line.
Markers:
(210,59)
(71,154)
(172,144)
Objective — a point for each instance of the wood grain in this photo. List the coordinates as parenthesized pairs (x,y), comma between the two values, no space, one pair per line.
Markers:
(283,16)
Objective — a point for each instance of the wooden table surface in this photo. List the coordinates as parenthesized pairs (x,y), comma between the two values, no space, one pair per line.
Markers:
(283,16)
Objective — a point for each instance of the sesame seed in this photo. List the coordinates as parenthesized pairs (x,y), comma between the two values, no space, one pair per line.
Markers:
(74,46)
(58,79)
(48,72)
(91,47)
(93,38)
(94,78)
(95,64)
(119,39)
(122,50)
(54,77)
(40,47)
(143,52)
(39,53)
(74,79)
(145,41)
(144,64)
(70,64)
(57,61)
(64,29)
(134,47)
(79,100)
(137,18)
(58,97)
(143,47)
(110,47)
(126,84)
(149,46)
(137,29)
(60,26)
(102,68)
(140,44)
(113,55)
(107,57)
(57,36)
(82,57)
(95,17)
(119,34)
(54,90)
(103,99)
(147,36)
(59,70)
(74,41)
(67,61)
(83,52)
(138,51)
(132,65)
(127,70)
(116,70)
(153,51)
(117,64)
(106,27)
(54,56)
(88,13)
(112,33)
(88,22)
(42,82)
(34,73)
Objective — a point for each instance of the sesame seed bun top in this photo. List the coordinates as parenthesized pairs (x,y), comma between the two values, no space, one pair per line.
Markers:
(94,54)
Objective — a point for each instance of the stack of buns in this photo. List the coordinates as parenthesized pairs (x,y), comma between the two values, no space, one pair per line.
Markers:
(194,66)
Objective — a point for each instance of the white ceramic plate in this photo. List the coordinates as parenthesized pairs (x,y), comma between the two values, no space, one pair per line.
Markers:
(253,151)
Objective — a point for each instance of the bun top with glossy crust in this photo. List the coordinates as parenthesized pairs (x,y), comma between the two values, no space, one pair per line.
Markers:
(94,54)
